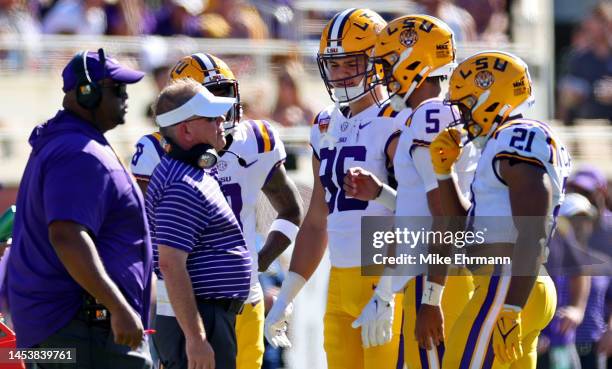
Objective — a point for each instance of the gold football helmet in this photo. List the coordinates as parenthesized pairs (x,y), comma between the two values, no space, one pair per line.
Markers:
(411,49)
(488,87)
(349,35)
(216,76)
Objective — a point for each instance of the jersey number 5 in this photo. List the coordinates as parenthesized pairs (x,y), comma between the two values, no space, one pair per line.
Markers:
(334,165)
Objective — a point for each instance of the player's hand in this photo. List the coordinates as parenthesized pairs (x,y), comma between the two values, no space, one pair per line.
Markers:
(277,322)
(429,327)
(376,321)
(570,317)
(361,184)
(126,326)
(200,354)
(507,335)
(445,150)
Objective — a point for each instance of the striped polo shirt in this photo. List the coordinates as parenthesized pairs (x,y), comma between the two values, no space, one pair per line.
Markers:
(188,211)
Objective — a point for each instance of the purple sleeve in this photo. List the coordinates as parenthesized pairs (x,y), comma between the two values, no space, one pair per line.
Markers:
(78,189)
(179,217)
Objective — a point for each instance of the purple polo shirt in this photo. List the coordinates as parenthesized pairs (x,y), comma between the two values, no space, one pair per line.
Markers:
(73,174)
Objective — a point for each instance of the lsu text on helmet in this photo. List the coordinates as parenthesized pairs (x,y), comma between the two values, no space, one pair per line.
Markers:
(488,87)
(344,51)
(216,76)
(409,50)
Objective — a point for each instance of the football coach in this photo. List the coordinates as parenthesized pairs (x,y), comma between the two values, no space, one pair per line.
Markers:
(79,272)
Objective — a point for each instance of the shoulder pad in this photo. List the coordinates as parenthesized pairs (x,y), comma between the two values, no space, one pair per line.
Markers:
(387,111)
(264,135)
(430,118)
(525,140)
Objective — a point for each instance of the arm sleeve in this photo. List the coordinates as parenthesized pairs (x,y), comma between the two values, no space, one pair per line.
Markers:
(80,189)
(179,217)
(422,163)
(146,157)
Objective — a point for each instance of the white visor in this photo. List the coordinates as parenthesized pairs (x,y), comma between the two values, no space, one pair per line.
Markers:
(203,104)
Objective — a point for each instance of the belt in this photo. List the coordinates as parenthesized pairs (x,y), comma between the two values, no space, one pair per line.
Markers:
(93,312)
(229,305)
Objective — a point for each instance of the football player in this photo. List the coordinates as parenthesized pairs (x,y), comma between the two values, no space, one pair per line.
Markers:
(416,53)
(520,180)
(346,134)
(251,161)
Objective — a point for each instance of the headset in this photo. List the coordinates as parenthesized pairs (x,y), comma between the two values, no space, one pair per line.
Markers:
(200,156)
(88,92)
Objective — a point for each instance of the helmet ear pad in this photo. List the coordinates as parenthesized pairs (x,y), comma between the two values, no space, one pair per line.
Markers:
(88,92)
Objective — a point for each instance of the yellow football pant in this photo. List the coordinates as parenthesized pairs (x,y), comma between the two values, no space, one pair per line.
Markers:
(249,336)
(457,293)
(347,294)
(469,344)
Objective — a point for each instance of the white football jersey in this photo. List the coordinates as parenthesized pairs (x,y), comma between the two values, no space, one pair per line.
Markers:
(523,140)
(341,143)
(255,141)
(413,170)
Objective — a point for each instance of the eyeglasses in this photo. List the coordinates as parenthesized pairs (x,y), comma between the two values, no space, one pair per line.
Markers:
(119,89)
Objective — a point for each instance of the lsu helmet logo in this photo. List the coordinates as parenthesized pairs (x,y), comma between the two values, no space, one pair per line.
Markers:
(484,79)
(408,37)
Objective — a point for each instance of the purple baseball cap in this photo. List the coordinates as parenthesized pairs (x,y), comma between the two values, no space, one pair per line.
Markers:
(111,69)
(589,178)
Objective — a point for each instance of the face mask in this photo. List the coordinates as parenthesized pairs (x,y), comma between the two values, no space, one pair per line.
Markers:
(348,93)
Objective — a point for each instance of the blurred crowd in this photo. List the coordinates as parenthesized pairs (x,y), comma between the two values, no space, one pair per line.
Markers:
(580,334)
(256,19)
(584,88)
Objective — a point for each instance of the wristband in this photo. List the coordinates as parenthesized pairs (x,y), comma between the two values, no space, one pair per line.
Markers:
(442,177)
(285,227)
(513,308)
(384,288)
(387,197)
(432,293)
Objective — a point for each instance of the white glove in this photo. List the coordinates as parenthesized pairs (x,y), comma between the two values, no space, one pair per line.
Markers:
(277,322)
(376,319)
(275,326)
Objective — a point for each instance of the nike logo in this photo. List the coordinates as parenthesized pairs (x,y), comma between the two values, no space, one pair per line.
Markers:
(251,163)
(361,126)
(501,333)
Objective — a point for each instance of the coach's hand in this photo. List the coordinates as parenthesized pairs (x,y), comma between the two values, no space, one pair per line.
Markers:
(200,354)
(429,326)
(507,335)
(445,150)
(126,326)
(277,323)
(361,184)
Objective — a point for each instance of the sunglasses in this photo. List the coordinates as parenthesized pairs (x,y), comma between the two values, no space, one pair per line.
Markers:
(119,89)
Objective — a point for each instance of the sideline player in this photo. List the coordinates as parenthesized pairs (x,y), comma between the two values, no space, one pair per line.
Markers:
(417,52)
(346,134)
(253,161)
(517,190)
